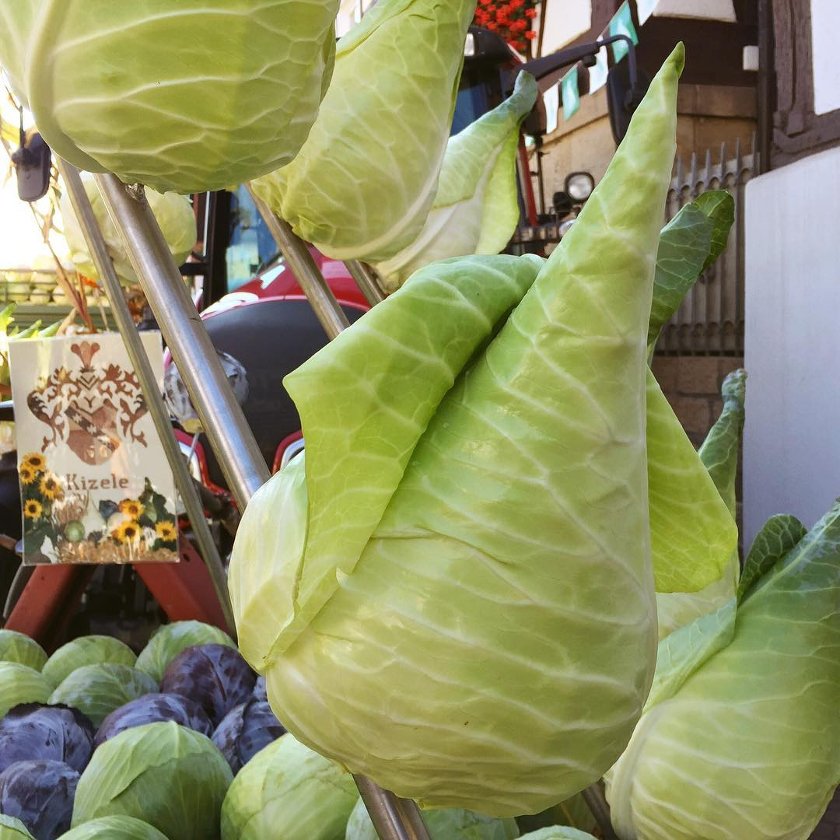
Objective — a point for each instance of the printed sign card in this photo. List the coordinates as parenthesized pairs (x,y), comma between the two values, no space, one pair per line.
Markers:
(95,482)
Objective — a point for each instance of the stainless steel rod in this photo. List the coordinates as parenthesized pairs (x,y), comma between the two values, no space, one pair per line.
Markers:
(366,281)
(148,383)
(221,416)
(393,818)
(595,800)
(327,310)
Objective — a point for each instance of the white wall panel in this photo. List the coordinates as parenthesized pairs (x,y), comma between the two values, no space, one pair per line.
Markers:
(825,28)
(792,434)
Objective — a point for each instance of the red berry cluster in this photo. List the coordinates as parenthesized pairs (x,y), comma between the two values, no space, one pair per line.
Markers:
(512,19)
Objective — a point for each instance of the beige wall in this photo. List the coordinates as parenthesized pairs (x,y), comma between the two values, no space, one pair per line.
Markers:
(708,116)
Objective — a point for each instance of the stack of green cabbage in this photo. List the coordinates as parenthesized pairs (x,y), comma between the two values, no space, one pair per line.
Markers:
(184,95)
(452,592)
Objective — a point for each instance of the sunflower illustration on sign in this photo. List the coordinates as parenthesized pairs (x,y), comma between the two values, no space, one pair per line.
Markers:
(92,409)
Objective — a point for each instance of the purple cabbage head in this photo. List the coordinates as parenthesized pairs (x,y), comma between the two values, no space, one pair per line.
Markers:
(245,730)
(34,731)
(153,708)
(40,794)
(216,676)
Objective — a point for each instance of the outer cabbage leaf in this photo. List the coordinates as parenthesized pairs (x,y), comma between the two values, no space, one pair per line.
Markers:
(173,212)
(777,537)
(366,176)
(172,777)
(476,208)
(748,745)
(11,828)
(21,684)
(288,792)
(468,537)
(114,828)
(557,832)
(689,244)
(693,506)
(118,87)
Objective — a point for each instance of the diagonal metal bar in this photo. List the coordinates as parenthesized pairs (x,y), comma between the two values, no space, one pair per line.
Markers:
(366,280)
(148,382)
(221,416)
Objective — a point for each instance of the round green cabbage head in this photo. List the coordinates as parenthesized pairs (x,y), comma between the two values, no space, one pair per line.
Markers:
(451,592)
(86,650)
(21,684)
(741,734)
(288,792)
(114,828)
(170,639)
(184,95)
(164,774)
(18,647)
(443,824)
(173,212)
(97,690)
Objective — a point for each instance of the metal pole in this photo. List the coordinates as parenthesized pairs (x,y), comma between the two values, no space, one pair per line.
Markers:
(148,383)
(221,416)
(366,281)
(595,800)
(393,818)
(323,302)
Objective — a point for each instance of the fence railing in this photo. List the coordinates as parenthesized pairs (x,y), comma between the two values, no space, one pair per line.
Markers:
(710,321)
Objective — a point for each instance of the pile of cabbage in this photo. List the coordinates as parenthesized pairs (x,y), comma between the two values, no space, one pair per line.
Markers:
(177,743)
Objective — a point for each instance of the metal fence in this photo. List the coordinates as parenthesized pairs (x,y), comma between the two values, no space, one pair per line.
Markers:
(710,321)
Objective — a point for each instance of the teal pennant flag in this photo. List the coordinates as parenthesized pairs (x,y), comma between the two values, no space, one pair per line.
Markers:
(622,24)
(570,92)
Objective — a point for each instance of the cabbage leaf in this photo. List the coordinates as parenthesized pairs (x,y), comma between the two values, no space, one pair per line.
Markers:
(741,736)
(476,208)
(364,181)
(465,542)
(188,96)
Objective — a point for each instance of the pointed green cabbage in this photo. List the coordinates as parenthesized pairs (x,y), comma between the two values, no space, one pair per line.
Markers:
(365,179)
(741,735)
(184,95)
(476,208)
(174,215)
(465,544)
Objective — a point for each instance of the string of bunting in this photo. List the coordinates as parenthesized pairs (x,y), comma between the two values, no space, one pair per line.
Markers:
(567,90)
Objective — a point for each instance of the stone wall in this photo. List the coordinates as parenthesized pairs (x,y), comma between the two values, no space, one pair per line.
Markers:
(692,386)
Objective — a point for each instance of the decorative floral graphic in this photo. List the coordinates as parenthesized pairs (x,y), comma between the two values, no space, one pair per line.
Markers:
(91,409)
(512,20)
(64,522)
